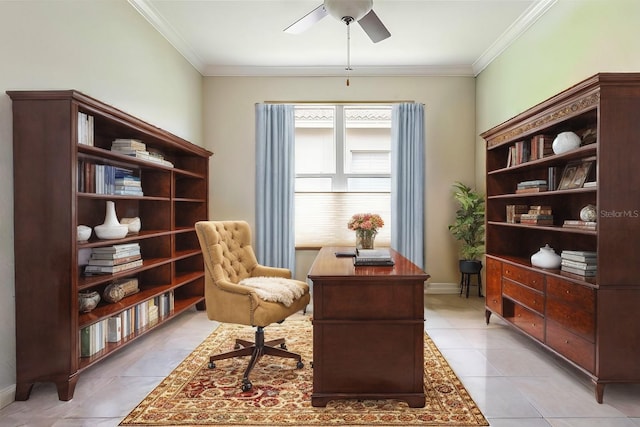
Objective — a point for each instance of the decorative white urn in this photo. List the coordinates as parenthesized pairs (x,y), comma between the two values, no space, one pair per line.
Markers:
(111,228)
(565,141)
(546,257)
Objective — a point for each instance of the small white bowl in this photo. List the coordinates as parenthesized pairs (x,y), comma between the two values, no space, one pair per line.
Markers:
(106,232)
(83,233)
(134,224)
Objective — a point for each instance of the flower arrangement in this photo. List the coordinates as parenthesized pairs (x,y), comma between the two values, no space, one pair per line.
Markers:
(366,227)
(365,222)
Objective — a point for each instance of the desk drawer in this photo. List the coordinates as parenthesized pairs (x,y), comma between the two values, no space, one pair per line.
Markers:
(526,296)
(528,321)
(580,322)
(571,346)
(581,296)
(522,275)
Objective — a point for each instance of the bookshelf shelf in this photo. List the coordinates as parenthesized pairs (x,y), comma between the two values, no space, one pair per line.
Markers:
(65,137)
(582,319)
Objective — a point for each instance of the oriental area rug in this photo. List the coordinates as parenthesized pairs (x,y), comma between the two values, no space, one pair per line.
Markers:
(194,395)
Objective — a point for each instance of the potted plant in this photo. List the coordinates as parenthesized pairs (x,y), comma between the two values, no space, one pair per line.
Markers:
(468,227)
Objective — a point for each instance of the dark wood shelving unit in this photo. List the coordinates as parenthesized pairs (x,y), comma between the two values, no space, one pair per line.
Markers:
(49,205)
(593,323)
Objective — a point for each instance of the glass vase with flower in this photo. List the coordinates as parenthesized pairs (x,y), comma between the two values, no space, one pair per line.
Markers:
(366,226)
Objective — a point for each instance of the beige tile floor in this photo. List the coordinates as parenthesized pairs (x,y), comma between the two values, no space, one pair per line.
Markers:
(514,382)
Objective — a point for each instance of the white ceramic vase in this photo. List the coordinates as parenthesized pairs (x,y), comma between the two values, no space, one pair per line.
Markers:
(546,257)
(111,228)
(565,141)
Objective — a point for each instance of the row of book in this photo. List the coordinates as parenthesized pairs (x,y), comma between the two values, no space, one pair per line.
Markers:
(538,147)
(138,149)
(85,128)
(113,259)
(537,215)
(107,179)
(532,186)
(582,263)
(95,337)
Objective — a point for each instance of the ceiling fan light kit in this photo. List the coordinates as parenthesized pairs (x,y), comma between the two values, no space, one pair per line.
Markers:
(354,9)
(346,11)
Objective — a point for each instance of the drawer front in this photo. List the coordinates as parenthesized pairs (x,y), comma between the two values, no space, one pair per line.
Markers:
(528,321)
(581,296)
(571,346)
(493,287)
(580,322)
(528,297)
(522,275)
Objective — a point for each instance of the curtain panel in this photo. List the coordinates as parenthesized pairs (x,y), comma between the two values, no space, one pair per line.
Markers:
(407,181)
(275,174)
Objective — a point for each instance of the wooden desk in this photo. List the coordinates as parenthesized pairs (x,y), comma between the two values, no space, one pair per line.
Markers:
(368,330)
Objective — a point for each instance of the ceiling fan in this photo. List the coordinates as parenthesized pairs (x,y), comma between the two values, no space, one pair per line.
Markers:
(347,11)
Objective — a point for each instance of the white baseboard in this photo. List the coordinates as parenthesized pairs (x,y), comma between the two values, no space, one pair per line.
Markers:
(442,288)
(7,395)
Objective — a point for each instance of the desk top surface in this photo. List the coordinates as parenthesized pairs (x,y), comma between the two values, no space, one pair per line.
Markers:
(328,265)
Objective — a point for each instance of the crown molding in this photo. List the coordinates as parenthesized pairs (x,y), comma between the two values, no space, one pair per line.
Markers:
(338,71)
(145,9)
(531,15)
(511,34)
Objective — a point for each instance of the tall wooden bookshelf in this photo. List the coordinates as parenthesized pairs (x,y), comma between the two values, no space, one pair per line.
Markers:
(51,198)
(593,323)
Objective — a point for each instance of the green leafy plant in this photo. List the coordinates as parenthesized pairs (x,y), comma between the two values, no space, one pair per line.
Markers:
(468,227)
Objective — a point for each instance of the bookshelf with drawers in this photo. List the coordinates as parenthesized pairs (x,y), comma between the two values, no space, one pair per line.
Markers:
(592,322)
(55,155)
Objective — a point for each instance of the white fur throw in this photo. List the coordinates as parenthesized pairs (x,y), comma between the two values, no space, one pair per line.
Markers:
(275,289)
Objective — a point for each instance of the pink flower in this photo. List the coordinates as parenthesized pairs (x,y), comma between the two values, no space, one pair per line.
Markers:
(365,221)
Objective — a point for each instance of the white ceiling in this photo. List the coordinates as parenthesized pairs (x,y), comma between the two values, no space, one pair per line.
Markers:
(428,37)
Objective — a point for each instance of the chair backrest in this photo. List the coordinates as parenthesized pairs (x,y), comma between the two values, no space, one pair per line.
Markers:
(227,251)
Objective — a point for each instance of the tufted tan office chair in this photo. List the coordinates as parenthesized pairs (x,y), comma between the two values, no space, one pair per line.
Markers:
(229,260)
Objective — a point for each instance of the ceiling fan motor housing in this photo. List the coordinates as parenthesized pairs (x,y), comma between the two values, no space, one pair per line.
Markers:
(355,9)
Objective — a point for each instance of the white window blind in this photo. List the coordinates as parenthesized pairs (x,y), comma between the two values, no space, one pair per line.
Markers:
(321,218)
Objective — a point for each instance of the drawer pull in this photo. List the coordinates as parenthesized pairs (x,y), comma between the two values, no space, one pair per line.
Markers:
(566,341)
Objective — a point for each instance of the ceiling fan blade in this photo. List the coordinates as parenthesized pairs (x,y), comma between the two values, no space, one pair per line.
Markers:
(373,26)
(307,21)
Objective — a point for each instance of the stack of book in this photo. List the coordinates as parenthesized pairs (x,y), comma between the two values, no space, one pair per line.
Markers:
(534,186)
(514,213)
(114,259)
(538,215)
(373,257)
(582,263)
(127,184)
(576,223)
(138,149)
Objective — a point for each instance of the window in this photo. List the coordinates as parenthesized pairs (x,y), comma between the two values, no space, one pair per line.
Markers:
(343,167)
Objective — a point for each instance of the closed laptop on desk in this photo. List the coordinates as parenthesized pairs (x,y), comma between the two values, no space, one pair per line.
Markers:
(373,257)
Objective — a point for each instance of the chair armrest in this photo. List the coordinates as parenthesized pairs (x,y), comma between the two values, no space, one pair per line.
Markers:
(262,270)
(235,288)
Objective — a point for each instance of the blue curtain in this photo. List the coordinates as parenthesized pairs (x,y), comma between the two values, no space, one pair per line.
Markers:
(407,181)
(275,173)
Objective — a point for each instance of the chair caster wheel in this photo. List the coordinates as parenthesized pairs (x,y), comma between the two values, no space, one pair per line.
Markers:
(299,365)
(283,346)
(246,385)
(211,365)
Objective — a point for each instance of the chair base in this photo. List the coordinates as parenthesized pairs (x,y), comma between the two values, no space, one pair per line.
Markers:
(256,350)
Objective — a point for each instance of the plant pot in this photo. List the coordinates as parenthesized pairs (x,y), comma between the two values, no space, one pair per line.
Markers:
(470,266)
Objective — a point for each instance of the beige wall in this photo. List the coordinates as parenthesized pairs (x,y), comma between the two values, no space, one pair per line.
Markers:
(106,50)
(450,135)
(572,41)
